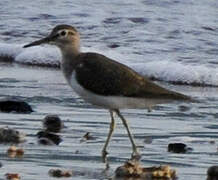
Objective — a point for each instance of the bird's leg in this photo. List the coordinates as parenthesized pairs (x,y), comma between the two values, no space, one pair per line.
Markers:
(135,154)
(104,150)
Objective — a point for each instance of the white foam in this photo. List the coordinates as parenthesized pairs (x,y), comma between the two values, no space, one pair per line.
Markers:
(9,50)
(47,56)
(168,71)
(179,73)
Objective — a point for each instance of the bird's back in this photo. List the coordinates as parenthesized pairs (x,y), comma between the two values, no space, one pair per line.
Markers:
(104,76)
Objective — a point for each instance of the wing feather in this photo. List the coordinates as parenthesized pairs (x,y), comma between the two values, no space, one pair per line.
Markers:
(105,76)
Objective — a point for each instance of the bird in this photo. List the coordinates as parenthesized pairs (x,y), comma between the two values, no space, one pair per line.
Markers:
(106,83)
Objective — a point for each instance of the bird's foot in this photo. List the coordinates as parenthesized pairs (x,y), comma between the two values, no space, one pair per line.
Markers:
(136,156)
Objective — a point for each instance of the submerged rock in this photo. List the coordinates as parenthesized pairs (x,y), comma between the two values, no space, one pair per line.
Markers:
(15,106)
(8,135)
(132,169)
(52,123)
(212,173)
(48,138)
(178,148)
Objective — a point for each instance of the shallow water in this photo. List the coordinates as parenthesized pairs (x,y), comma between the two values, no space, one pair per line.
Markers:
(196,127)
(173,41)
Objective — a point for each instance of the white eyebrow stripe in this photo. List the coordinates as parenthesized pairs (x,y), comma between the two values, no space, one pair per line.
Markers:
(60,31)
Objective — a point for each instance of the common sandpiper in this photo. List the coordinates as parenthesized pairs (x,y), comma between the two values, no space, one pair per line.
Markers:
(104,82)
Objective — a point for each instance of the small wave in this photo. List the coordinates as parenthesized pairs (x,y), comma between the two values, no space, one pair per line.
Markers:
(174,72)
(178,73)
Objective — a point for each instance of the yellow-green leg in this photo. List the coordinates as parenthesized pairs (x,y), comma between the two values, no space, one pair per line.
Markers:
(135,154)
(104,150)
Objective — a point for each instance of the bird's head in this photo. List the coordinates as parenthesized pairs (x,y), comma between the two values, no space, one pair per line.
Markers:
(62,36)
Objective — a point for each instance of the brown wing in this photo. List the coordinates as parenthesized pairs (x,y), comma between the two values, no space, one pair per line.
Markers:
(104,76)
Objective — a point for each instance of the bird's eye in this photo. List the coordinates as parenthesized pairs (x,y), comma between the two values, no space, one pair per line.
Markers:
(63,33)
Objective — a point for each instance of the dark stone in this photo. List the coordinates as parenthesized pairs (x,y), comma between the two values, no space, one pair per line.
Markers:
(15,106)
(212,173)
(48,138)
(178,148)
(52,123)
(0,164)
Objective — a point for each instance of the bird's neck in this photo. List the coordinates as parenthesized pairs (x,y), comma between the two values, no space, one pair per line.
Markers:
(69,54)
(70,50)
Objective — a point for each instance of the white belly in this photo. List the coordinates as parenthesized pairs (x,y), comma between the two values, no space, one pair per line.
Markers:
(112,102)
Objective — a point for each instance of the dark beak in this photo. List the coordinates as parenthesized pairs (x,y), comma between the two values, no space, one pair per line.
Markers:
(41,41)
